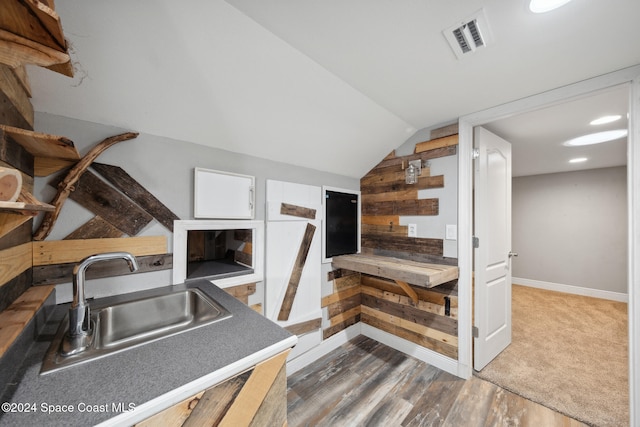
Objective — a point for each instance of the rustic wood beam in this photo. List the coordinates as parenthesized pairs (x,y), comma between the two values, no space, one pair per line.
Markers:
(304,327)
(66,186)
(16,51)
(433,144)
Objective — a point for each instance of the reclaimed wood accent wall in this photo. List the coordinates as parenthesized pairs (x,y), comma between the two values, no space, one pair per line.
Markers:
(257,397)
(386,197)
(385,306)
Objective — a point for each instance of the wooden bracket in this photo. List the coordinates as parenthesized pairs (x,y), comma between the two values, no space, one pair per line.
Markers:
(408,290)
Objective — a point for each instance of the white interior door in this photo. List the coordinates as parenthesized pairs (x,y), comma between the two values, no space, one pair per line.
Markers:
(492,266)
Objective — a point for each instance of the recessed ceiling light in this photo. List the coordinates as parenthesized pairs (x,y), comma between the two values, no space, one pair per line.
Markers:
(542,6)
(578,160)
(596,138)
(605,119)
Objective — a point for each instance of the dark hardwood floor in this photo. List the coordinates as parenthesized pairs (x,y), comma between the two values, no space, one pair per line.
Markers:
(365,383)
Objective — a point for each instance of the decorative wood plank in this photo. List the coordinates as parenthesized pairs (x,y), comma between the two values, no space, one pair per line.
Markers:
(411,314)
(216,402)
(388,220)
(345,315)
(340,272)
(63,273)
(14,319)
(95,228)
(343,305)
(346,282)
(305,327)
(388,194)
(408,290)
(136,192)
(384,230)
(410,326)
(429,295)
(64,251)
(402,207)
(103,200)
(417,338)
(298,211)
(247,403)
(14,155)
(326,333)
(404,300)
(14,260)
(419,274)
(403,244)
(390,175)
(11,221)
(338,296)
(15,287)
(294,279)
(16,109)
(427,155)
(443,131)
(433,144)
(424,182)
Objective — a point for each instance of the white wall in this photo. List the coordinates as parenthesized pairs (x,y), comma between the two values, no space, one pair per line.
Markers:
(571,228)
(165,168)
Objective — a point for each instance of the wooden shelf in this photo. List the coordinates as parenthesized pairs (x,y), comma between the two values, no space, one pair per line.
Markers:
(51,153)
(401,270)
(26,205)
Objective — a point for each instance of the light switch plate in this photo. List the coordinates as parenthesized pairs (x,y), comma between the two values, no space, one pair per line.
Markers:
(451,232)
(412,230)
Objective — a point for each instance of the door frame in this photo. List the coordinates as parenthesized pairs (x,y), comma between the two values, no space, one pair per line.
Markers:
(630,76)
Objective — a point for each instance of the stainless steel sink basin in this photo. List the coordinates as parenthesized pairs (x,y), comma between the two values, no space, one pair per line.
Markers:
(132,323)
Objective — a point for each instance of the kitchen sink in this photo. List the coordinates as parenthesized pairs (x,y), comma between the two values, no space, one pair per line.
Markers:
(128,324)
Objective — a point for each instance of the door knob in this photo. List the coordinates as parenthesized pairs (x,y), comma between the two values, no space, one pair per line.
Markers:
(513,254)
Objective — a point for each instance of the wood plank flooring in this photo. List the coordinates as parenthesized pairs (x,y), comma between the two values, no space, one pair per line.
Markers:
(365,383)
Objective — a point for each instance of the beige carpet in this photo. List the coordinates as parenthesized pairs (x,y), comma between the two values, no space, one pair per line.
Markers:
(569,353)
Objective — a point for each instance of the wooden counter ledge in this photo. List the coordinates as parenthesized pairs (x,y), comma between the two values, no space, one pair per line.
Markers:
(401,270)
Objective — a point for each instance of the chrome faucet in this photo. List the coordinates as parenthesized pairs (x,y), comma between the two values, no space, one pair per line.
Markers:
(80,334)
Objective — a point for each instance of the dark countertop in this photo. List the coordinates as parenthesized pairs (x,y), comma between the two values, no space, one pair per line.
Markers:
(149,378)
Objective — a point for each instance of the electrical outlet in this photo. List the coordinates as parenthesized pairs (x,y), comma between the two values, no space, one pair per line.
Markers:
(412,230)
(451,232)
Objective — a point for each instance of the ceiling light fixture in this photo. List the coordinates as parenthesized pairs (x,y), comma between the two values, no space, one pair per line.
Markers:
(605,119)
(596,138)
(542,6)
(578,160)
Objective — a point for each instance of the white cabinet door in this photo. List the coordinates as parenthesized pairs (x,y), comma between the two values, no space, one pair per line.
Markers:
(223,195)
(284,236)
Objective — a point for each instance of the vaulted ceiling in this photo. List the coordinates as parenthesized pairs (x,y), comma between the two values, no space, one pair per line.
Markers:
(330,85)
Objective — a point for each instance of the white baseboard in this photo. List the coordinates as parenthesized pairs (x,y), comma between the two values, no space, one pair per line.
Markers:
(323,348)
(570,289)
(429,356)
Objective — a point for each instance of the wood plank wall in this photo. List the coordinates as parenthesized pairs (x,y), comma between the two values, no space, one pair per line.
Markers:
(432,321)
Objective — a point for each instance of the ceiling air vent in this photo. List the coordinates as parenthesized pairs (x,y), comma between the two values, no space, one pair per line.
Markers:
(468,35)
